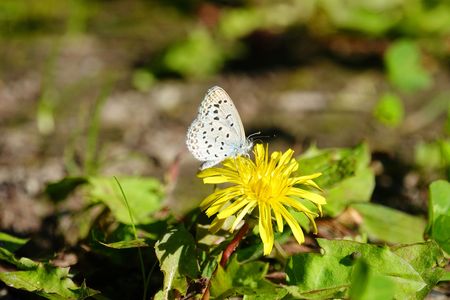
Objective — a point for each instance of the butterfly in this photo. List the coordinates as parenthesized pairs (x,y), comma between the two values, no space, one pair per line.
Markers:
(217,133)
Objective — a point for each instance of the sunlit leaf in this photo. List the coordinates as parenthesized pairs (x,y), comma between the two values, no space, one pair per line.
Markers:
(346,176)
(244,279)
(367,285)
(47,281)
(329,274)
(42,279)
(126,244)
(439,213)
(386,224)
(427,259)
(177,256)
(144,196)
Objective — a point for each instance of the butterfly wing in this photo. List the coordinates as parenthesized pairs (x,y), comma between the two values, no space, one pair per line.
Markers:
(217,132)
(218,104)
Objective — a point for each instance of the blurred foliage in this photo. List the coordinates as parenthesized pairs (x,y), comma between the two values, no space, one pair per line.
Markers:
(197,56)
(389,110)
(434,156)
(143,80)
(404,66)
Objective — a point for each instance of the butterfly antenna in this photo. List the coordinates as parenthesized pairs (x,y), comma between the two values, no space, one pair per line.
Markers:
(253,134)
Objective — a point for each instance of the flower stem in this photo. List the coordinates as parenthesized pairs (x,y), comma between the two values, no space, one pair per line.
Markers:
(227,253)
(233,244)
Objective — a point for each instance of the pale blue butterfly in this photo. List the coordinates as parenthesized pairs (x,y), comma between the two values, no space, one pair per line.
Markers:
(217,133)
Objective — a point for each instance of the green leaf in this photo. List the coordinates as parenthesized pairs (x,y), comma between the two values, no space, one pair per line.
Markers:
(144,196)
(389,110)
(386,224)
(329,274)
(244,279)
(346,177)
(177,256)
(367,285)
(335,164)
(427,259)
(11,243)
(445,276)
(439,213)
(126,244)
(47,281)
(42,279)
(358,188)
(404,66)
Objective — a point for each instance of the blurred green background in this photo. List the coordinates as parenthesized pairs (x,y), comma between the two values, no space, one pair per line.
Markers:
(109,87)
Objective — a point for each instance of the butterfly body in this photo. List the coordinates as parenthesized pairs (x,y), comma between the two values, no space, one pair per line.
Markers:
(217,133)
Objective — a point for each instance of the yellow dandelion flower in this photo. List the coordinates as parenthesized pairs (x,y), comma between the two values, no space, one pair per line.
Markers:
(268,184)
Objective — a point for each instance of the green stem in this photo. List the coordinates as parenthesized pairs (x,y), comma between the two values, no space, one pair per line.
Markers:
(141,258)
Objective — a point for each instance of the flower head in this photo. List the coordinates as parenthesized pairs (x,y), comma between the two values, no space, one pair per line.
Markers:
(268,184)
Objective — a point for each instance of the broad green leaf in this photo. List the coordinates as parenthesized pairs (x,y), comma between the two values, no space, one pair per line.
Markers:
(427,259)
(386,224)
(245,279)
(346,177)
(367,285)
(358,188)
(177,256)
(144,197)
(329,274)
(11,243)
(389,110)
(404,66)
(47,281)
(439,213)
(42,279)
(126,244)
(335,164)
